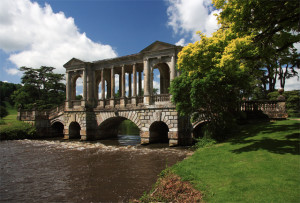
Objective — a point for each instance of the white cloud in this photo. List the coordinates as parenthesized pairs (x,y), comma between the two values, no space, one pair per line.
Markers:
(13,71)
(186,17)
(36,36)
(181,42)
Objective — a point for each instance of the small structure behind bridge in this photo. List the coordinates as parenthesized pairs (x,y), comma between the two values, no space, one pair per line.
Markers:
(98,115)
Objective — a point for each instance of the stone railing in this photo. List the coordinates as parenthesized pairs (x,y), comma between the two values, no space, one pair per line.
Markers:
(56,111)
(259,106)
(161,98)
(273,109)
(117,101)
(24,115)
(139,99)
(76,102)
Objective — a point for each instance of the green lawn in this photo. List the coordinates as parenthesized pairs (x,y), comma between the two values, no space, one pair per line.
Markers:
(259,164)
(12,114)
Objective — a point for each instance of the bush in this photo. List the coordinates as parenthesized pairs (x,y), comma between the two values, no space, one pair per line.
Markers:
(17,130)
(3,112)
(292,101)
(204,142)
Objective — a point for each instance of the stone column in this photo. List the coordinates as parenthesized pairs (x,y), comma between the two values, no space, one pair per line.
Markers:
(122,100)
(84,88)
(120,85)
(133,100)
(173,68)
(68,90)
(129,85)
(146,82)
(112,86)
(102,89)
(140,83)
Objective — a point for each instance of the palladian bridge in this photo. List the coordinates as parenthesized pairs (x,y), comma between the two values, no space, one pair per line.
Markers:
(97,116)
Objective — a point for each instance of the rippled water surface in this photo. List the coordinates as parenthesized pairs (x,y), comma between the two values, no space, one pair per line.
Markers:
(74,171)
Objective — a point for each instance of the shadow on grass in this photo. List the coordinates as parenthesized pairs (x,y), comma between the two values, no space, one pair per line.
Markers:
(279,139)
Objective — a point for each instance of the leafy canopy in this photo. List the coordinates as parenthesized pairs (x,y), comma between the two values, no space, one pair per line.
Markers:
(41,89)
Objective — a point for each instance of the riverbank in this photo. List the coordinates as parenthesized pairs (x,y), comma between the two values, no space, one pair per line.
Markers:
(12,129)
(260,163)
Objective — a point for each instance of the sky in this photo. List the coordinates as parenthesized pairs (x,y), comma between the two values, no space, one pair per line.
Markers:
(36,33)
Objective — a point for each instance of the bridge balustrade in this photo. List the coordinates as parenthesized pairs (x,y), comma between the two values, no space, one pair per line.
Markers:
(140,100)
(161,98)
(259,106)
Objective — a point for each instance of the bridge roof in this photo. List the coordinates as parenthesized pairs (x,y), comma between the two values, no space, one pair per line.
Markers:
(154,47)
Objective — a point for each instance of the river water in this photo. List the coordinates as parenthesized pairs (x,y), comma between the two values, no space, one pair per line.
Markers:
(74,171)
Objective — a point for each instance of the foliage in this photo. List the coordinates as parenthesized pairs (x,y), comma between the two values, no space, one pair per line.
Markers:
(217,77)
(6,89)
(292,99)
(17,130)
(274,26)
(42,89)
(127,127)
(204,142)
(11,128)
(252,166)
(3,111)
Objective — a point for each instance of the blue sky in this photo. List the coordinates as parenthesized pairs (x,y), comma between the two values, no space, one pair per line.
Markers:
(50,32)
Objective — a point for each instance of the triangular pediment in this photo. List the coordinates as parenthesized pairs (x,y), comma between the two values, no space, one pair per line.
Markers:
(158,45)
(73,62)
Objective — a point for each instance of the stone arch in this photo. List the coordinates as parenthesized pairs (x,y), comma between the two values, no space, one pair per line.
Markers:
(74,130)
(58,119)
(74,79)
(158,132)
(57,129)
(130,115)
(110,127)
(164,71)
(197,131)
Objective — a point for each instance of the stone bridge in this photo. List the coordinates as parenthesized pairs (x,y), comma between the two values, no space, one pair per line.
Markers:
(100,111)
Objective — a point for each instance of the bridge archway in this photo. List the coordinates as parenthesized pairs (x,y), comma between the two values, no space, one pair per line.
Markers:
(110,128)
(57,129)
(161,71)
(198,130)
(158,132)
(74,130)
(76,84)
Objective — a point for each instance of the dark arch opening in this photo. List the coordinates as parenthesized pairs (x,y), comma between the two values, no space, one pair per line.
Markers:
(74,131)
(57,129)
(198,131)
(158,132)
(119,131)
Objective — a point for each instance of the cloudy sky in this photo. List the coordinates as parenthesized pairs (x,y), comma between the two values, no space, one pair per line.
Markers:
(51,32)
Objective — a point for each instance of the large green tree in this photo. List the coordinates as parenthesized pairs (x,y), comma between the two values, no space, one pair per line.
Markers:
(41,88)
(275,26)
(214,77)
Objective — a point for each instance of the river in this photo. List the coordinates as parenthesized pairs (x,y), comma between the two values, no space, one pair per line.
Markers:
(73,171)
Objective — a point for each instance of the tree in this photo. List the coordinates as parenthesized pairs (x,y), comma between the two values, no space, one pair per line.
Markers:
(6,89)
(275,28)
(41,88)
(214,77)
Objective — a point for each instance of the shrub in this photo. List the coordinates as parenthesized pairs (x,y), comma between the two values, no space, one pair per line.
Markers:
(17,130)
(3,112)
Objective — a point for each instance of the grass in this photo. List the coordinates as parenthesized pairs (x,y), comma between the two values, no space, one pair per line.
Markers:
(11,128)
(261,163)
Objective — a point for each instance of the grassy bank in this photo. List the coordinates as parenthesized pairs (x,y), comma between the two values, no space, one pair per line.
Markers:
(260,163)
(11,128)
